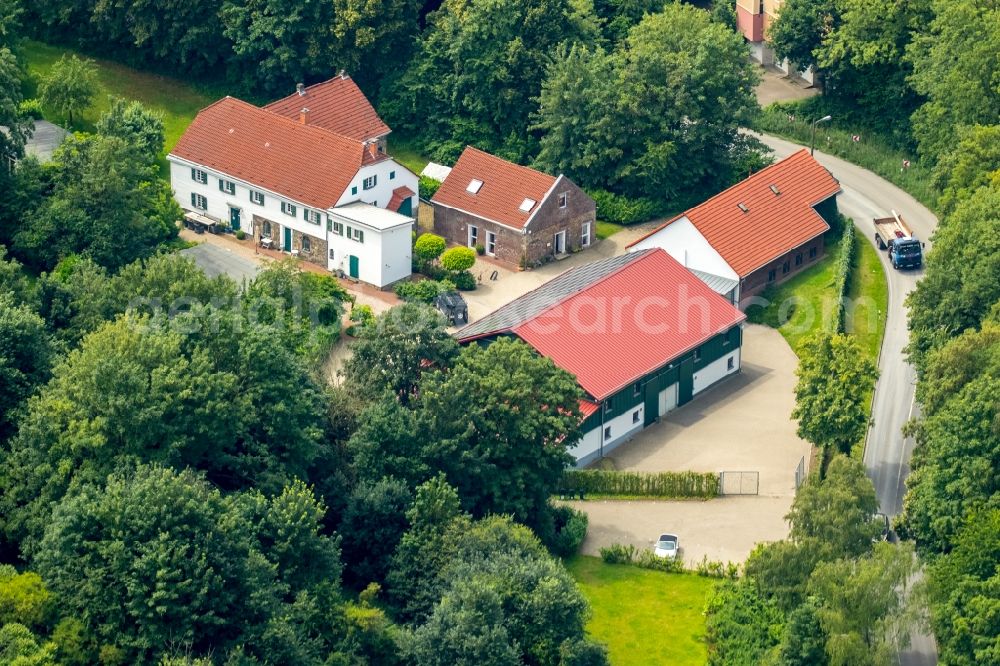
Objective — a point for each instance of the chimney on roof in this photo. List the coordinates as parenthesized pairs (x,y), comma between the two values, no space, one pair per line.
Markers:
(372,147)
(304,116)
(300,88)
(342,74)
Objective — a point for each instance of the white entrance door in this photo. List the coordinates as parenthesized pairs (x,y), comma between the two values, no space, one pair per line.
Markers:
(668,399)
(559,243)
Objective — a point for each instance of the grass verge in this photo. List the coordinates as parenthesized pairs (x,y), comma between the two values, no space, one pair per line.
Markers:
(607,229)
(644,616)
(178,101)
(790,120)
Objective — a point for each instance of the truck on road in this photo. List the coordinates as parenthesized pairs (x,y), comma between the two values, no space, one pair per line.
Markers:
(893,236)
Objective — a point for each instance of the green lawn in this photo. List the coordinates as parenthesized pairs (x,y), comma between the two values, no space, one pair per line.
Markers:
(644,616)
(178,101)
(405,152)
(605,229)
(803,304)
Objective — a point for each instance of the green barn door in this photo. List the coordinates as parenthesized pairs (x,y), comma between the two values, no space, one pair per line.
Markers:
(406,208)
(652,402)
(287,247)
(234,218)
(353,267)
(685,384)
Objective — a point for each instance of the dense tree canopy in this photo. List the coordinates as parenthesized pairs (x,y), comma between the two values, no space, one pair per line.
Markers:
(478,70)
(658,117)
(222,570)
(956,66)
(69,87)
(960,285)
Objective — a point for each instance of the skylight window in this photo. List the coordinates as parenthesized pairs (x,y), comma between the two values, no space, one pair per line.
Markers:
(774,188)
(527,205)
(743,207)
(474,186)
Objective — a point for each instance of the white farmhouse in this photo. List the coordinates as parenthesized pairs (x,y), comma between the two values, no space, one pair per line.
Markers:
(315,182)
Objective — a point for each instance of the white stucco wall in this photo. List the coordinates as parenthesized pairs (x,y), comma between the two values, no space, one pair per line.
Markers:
(716,370)
(683,242)
(382,192)
(383,257)
(219,202)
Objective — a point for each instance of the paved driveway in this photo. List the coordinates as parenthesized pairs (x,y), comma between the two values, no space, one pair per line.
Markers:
(215,260)
(743,424)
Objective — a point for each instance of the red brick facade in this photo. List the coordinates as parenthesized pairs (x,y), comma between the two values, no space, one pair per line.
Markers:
(782,268)
(534,245)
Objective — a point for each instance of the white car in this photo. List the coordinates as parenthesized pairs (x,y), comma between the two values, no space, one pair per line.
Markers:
(667,546)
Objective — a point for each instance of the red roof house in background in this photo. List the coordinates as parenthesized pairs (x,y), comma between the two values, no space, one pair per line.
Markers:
(520,216)
(758,232)
(640,333)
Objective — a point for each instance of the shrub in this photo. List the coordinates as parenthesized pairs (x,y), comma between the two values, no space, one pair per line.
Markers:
(30,108)
(842,278)
(663,485)
(570,530)
(463,280)
(647,559)
(240,234)
(458,259)
(480,250)
(622,210)
(362,315)
(716,569)
(618,553)
(422,291)
(429,247)
(427,187)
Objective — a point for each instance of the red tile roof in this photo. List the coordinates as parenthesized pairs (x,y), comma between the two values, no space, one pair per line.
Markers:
(626,323)
(337,105)
(398,196)
(587,408)
(505,187)
(304,163)
(775,223)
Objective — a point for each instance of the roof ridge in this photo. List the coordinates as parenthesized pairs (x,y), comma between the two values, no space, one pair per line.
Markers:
(717,195)
(286,119)
(633,258)
(510,162)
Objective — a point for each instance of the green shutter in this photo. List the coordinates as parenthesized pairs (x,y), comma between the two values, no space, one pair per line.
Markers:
(361,236)
(354,190)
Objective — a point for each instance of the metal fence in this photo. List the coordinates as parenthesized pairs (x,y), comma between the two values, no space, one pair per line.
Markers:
(739,483)
(800,472)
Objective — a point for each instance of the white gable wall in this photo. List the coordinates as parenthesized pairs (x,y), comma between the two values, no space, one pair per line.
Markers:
(382,192)
(682,241)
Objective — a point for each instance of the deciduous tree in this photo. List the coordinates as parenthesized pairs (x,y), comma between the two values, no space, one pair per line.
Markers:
(136,125)
(70,86)
(830,394)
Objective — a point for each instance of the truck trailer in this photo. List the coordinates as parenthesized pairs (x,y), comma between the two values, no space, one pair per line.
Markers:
(894,236)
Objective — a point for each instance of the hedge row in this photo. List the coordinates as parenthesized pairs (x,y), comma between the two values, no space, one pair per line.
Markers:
(842,277)
(662,485)
(618,553)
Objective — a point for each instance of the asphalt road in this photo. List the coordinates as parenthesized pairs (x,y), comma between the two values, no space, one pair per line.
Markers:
(220,261)
(865,197)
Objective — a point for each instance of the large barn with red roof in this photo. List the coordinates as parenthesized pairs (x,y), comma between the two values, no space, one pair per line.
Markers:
(518,215)
(641,334)
(308,174)
(758,232)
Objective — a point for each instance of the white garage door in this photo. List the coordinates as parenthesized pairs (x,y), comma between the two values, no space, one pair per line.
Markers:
(668,399)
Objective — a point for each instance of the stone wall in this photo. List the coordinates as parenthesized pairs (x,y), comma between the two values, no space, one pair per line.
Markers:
(797,260)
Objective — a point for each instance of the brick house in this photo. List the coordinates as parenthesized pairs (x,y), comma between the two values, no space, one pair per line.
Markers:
(308,175)
(521,216)
(759,232)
